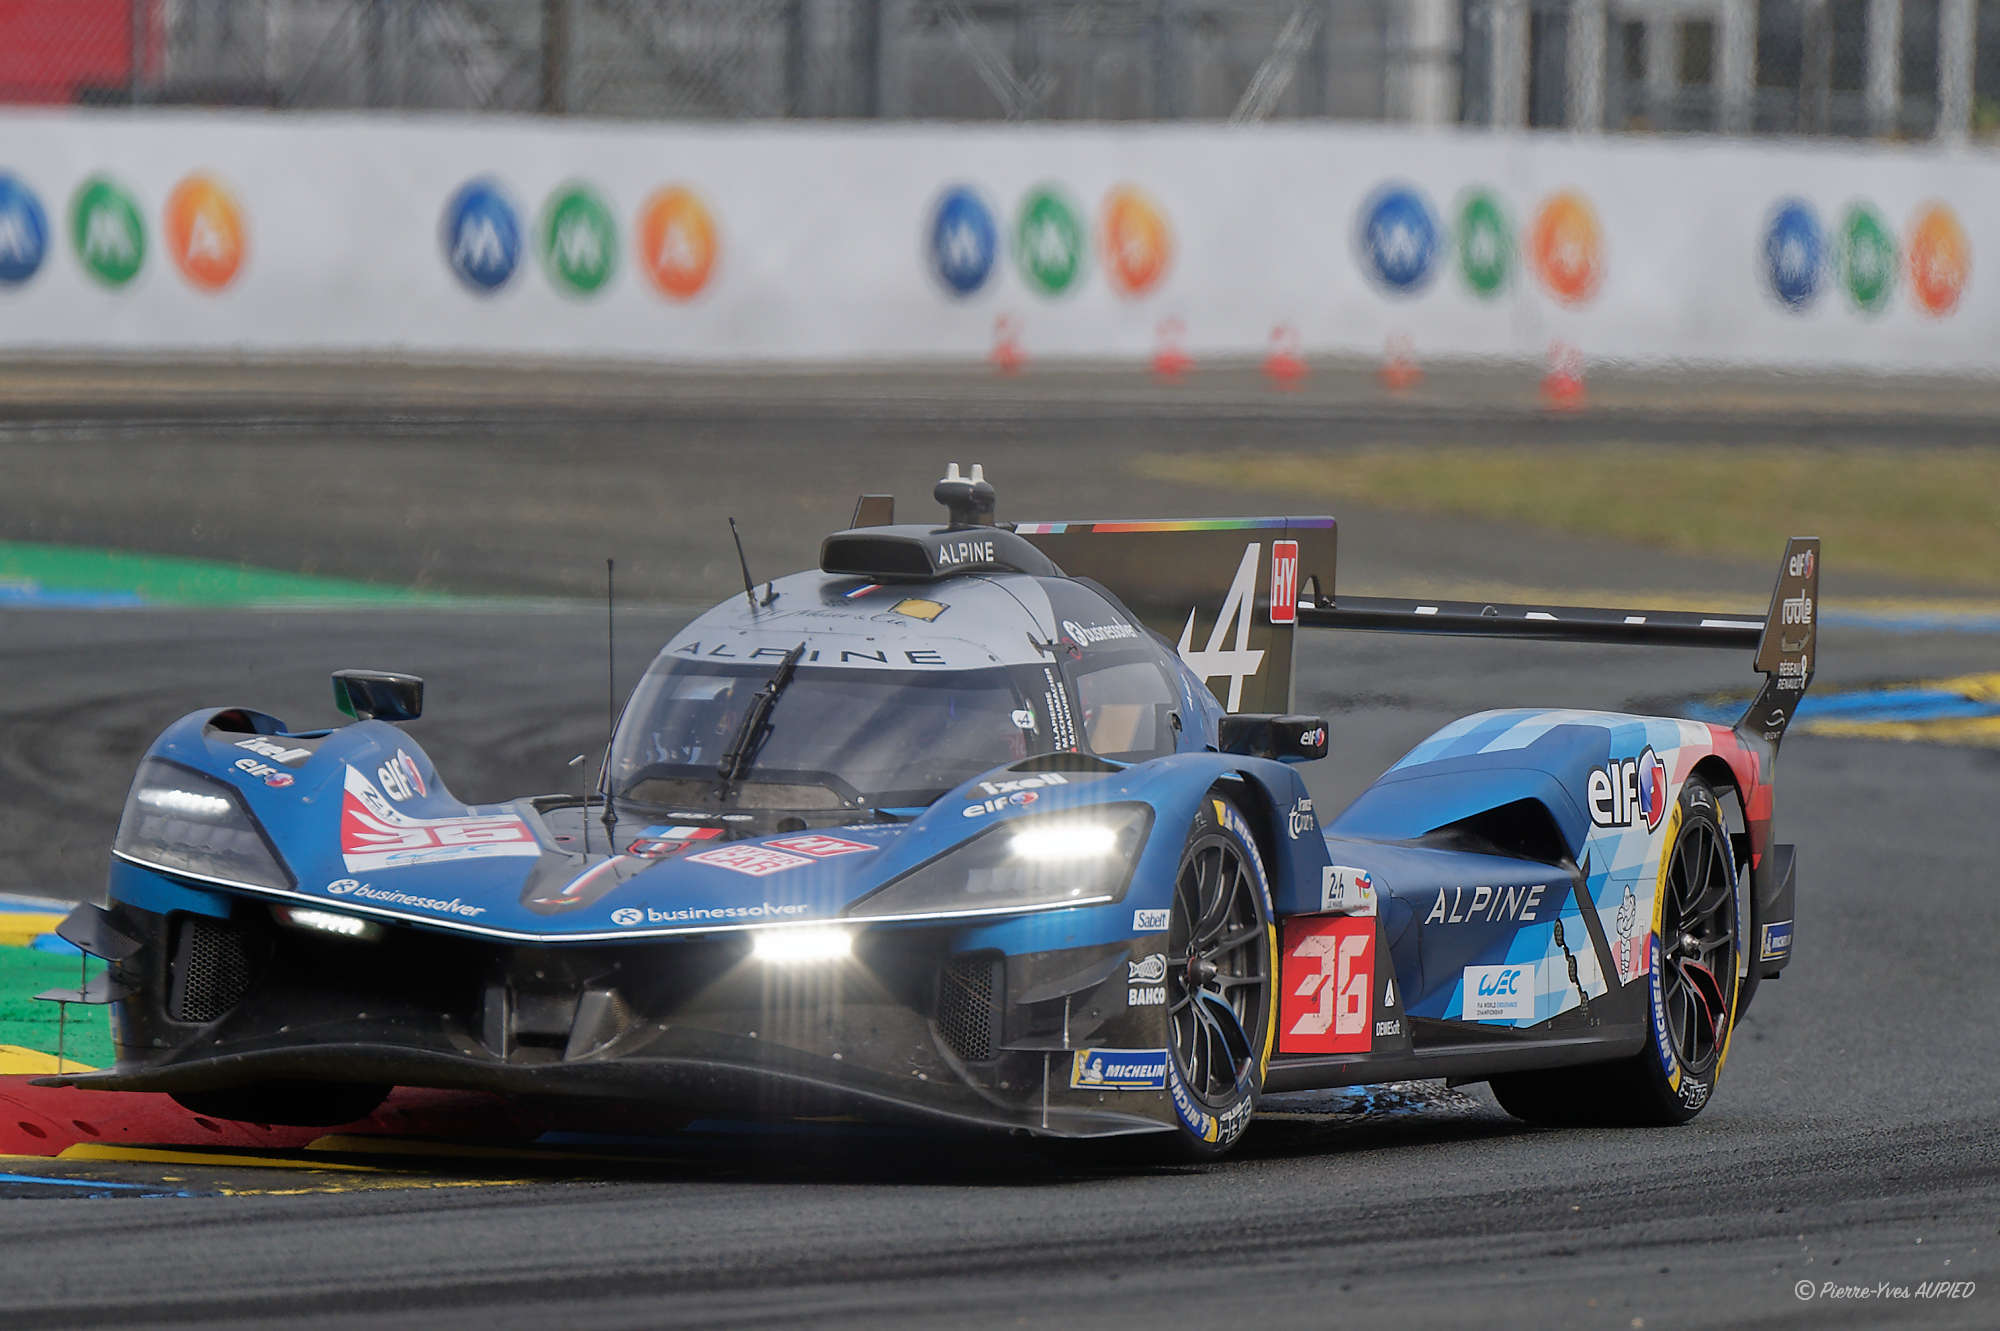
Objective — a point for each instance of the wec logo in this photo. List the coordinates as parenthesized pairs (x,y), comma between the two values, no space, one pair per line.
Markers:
(1499,993)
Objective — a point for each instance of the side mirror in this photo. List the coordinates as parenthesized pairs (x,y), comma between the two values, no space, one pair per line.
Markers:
(1289,739)
(372,695)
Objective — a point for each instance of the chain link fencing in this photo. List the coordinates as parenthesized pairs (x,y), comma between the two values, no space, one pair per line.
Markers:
(1884,68)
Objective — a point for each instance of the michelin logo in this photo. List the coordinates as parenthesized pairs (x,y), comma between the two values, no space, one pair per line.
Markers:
(1119,1069)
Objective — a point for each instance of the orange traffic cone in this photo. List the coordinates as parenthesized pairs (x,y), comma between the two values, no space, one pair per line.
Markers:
(1171,361)
(1562,385)
(1006,355)
(1284,366)
(1400,371)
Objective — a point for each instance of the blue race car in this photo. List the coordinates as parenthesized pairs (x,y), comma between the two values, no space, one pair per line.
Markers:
(954,826)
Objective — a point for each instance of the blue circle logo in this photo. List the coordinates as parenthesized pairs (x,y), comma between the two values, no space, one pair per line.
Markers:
(1794,253)
(964,241)
(482,236)
(24,231)
(1399,234)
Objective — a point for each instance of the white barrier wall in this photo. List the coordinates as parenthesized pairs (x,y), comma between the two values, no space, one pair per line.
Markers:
(199,232)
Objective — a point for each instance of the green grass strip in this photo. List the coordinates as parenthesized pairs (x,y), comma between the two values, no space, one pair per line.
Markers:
(27,570)
(30,1024)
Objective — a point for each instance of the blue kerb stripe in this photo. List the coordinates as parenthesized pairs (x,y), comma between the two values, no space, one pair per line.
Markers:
(95,1185)
(52,598)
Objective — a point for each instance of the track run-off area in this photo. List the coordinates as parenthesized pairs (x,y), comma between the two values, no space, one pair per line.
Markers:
(455,525)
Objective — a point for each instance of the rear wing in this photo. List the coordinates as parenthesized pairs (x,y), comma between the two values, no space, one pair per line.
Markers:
(1784,639)
(1229,593)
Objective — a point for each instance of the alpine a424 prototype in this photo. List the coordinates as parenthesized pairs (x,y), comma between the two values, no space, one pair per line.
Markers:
(954,826)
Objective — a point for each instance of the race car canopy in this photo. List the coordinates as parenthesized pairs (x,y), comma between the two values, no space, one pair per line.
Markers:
(922,554)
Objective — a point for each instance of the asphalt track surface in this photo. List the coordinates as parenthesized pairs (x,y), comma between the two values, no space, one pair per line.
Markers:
(1852,1141)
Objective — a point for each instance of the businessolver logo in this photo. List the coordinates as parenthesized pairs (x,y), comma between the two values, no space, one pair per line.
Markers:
(481,235)
(676,242)
(108,231)
(1566,248)
(206,234)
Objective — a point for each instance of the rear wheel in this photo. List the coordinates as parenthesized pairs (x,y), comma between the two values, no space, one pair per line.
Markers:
(1693,1001)
(1220,990)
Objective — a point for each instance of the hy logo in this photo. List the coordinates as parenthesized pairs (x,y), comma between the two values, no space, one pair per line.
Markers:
(1485,245)
(108,231)
(1137,244)
(1867,258)
(1794,254)
(1216,659)
(579,240)
(676,243)
(481,234)
(964,241)
(24,232)
(1048,241)
(205,232)
(1399,235)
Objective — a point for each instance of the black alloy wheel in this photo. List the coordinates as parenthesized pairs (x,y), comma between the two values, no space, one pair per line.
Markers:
(1219,981)
(1697,931)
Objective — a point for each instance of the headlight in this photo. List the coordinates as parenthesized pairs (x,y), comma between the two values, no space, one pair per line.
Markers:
(184,822)
(1083,858)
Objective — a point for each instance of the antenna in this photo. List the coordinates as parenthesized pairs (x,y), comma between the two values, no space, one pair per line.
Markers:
(749,583)
(586,804)
(610,710)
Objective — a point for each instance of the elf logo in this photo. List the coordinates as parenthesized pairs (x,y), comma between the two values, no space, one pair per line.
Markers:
(1629,790)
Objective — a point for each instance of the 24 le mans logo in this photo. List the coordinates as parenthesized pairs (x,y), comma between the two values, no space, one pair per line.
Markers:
(1629,790)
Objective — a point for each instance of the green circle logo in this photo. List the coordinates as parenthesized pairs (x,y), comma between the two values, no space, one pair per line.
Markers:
(579,239)
(108,232)
(1048,241)
(1867,258)
(1485,245)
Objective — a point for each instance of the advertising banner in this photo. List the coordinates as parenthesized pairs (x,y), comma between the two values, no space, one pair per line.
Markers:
(202,232)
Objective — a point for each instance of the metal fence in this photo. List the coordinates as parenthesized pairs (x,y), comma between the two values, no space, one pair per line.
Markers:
(1896,68)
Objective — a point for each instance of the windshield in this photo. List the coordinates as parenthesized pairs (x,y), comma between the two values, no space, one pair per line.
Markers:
(837,738)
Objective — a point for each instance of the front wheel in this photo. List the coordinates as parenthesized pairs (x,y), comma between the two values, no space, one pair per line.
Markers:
(1221,993)
(1694,993)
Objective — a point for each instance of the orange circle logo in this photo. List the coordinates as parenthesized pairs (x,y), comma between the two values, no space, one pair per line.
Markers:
(1940,259)
(1138,245)
(205,232)
(1566,248)
(676,243)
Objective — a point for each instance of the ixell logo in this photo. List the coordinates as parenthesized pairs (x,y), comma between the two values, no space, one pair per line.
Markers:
(579,240)
(24,232)
(108,231)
